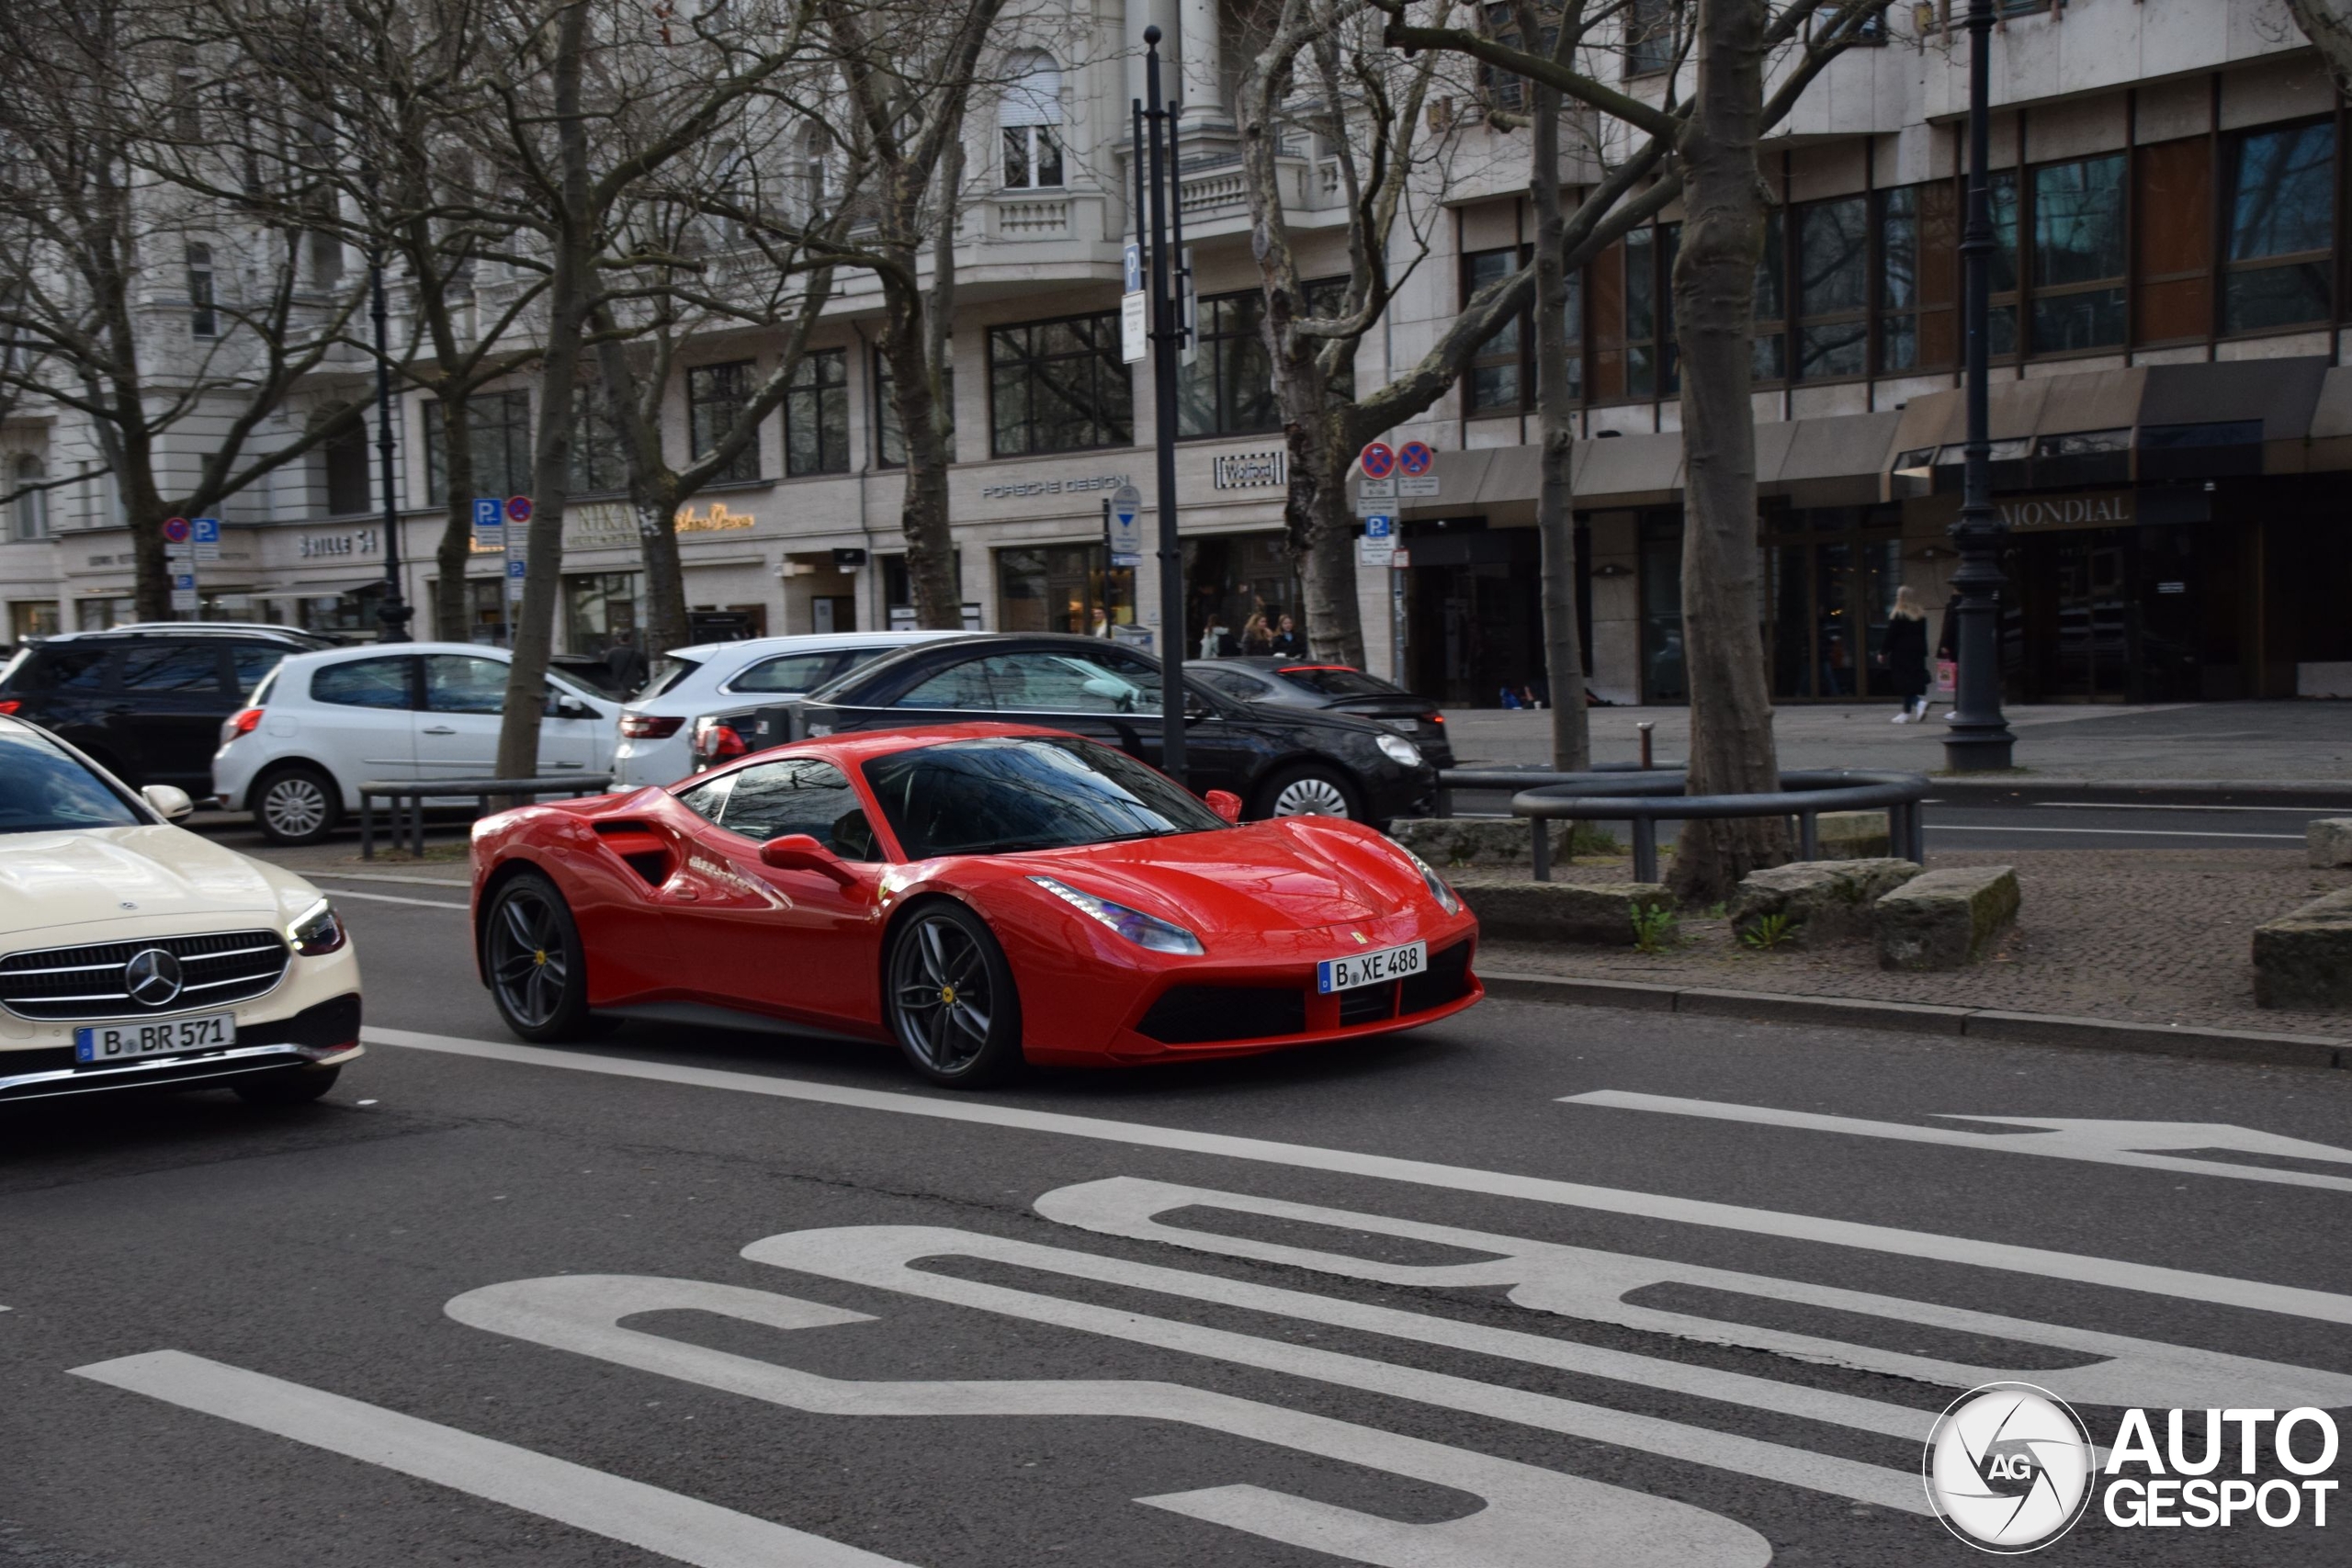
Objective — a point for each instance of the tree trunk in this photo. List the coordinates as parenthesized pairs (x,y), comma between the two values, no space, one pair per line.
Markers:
(927,433)
(656,508)
(1322,533)
(1732,749)
(1555,523)
(451,619)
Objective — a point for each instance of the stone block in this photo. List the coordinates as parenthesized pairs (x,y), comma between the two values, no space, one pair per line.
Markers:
(1945,919)
(1513,910)
(2329,840)
(1824,900)
(2305,960)
(1854,835)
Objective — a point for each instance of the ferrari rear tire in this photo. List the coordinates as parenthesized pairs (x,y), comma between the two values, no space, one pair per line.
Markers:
(1309,789)
(537,967)
(949,998)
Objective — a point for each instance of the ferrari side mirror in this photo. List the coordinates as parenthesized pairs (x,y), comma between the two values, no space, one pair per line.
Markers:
(798,852)
(1225,804)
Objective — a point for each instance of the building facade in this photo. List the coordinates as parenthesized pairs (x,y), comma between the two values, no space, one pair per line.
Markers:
(2172,413)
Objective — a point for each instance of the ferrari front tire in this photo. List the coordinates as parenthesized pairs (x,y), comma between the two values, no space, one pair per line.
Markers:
(949,998)
(532,955)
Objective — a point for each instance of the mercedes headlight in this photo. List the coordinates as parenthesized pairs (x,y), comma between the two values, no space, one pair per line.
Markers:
(1397,748)
(1144,930)
(318,932)
(1447,899)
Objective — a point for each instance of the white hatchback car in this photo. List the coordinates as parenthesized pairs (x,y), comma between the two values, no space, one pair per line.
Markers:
(657,727)
(322,724)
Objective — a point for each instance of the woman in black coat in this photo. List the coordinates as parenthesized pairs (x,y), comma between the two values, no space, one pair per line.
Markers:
(1902,654)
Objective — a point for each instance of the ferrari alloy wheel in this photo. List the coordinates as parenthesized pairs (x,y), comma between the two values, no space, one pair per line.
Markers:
(951,1002)
(296,805)
(1308,792)
(531,952)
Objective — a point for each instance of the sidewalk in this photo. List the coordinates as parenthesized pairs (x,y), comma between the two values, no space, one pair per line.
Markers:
(2284,740)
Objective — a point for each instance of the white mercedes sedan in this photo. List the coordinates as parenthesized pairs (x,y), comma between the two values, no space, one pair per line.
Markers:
(134,953)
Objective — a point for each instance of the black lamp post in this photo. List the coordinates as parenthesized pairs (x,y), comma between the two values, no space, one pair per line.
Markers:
(1159,199)
(1980,738)
(394,612)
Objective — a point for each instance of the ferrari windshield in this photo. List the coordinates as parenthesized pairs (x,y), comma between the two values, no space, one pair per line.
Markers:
(980,797)
(43,790)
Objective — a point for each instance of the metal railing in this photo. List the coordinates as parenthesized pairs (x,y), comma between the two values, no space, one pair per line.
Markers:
(415,792)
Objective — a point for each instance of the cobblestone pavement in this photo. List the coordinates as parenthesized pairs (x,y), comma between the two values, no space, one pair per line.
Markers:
(2203,740)
(2152,936)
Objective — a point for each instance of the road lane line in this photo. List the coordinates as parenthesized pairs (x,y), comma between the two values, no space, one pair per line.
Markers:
(884,1256)
(684,1529)
(1533,1517)
(2113,832)
(2181,810)
(460,882)
(393,898)
(2075,1138)
(2325,1306)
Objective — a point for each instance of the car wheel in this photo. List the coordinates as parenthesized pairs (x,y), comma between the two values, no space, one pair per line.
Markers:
(288,1086)
(1312,790)
(537,969)
(296,805)
(950,1001)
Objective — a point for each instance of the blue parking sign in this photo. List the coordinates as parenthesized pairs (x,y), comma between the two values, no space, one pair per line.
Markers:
(489,523)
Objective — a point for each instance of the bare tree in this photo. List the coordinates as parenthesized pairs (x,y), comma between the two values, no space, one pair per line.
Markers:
(2328,24)
(137,296)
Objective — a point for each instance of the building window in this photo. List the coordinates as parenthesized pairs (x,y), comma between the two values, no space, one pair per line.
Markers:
(1228,389)
(1670,350)
(28,515)
(1059,386)
(346,461)
(2001,266)
(1919,238)
(203,318)
(1768,356)
(815,415)
(1641,314)
(716,396)
(599,456)
(2078,254)
(1030,119)
(597,607)
(889,440)
(1833,288)
(1649,36)
(2282,229)
(1498,379)
(498,427)
(2173,212)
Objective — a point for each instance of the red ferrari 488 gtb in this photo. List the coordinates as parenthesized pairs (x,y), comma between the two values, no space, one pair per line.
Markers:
(979,894)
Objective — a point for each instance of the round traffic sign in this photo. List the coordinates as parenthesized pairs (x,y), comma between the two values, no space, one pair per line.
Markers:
(175,529)
(1377,460)
(1415,456)
(518,508)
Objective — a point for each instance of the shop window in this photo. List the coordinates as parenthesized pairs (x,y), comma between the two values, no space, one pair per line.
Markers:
(1239,588)
(1498,380)
(2078,254)
(498,429)
(1918,255)
(345,461)
(898,593)
(815,415)
(29,514)
(1770,358)
(1030,121)
(597,607)
(1062,588)
(2282,229)
(1663,677)
(32,618)
(599,456)
(717,397)
(1833,287)
(2173,209)
(890,441)
(1228,389)
(1058,386)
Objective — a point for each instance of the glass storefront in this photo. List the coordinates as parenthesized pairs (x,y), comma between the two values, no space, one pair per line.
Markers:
(486,610)
(597,606)
(1248,583)
(1063,588)
(1830,576)
(32,619)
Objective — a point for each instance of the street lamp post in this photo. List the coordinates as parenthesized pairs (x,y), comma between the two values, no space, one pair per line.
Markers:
(394,612)
(1979,740)
(1160,193)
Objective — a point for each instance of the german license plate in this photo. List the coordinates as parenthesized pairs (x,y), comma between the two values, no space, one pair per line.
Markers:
(130,1042)
(1371,968)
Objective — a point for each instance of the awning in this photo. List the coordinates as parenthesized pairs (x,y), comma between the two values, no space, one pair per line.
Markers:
(316,589)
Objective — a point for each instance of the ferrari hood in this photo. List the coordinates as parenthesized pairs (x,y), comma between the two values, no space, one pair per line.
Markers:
(1293,873)
(143,876)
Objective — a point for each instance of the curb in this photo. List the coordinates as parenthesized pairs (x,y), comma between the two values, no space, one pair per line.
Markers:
(2322,795)
(1920,1018)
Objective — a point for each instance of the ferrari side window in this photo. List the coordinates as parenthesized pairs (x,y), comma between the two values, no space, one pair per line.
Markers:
(708,800)
(772,800)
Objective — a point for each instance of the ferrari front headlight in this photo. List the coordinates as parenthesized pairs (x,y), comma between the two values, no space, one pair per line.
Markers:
(1447,899)
(1144,930)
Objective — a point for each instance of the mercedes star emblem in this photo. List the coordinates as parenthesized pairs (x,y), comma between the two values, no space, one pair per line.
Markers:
(153,978)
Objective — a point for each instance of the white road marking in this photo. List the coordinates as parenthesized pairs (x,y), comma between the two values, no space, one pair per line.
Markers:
(2102,1143)
(883,1257)
(1533,1518)
(2123,832)
(458,883)
(1582,1282)
(393,898)
(2143,806)
(684,1529)
(2326,1306)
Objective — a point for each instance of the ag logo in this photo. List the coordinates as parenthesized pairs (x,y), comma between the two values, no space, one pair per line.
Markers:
(2008,1468)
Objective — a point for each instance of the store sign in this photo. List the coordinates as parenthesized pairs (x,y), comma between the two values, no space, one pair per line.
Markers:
(601,526)
(1250,471)
(358,542)
(2043,514)
(1053,487)
(715,519)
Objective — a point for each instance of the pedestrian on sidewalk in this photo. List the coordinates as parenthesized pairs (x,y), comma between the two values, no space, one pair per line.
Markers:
(1902,654)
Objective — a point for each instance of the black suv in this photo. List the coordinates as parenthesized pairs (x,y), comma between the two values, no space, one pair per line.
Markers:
(146,700)
(1282,761)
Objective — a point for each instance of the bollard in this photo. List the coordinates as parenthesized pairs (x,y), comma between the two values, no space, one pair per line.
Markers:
(1809,835)
(1646,849)
(1645,726)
